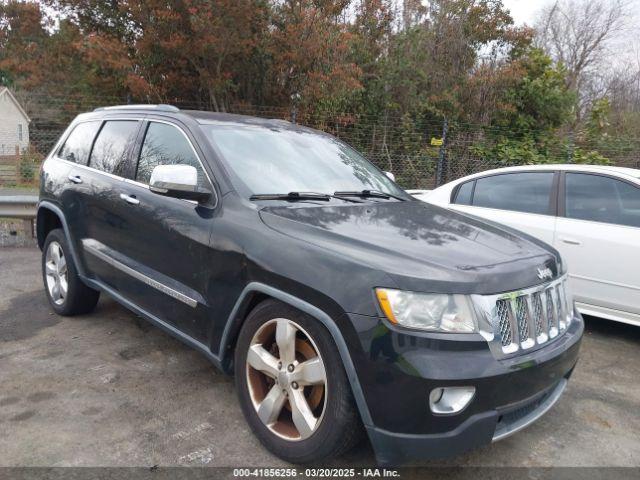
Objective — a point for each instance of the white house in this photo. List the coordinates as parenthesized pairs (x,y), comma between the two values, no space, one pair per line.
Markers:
(14,124)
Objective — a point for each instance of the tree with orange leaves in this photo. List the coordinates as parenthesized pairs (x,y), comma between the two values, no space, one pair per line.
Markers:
(310,48)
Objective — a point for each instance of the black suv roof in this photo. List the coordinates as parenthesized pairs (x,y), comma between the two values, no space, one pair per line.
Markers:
(203,117)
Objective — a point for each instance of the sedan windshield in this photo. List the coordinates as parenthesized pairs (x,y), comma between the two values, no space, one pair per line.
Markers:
(279,161)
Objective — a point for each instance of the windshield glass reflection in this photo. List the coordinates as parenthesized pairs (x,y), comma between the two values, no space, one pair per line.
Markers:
(270,160)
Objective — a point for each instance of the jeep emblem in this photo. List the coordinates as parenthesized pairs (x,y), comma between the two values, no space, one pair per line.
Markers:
(544,273)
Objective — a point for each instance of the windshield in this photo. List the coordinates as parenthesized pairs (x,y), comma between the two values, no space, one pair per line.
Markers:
(270,160)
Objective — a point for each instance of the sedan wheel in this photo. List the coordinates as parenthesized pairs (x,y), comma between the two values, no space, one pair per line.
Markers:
(287,379)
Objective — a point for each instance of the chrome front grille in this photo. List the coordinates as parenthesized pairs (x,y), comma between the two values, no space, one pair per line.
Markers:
(560,301)
(550,307)
(537,312)
(504,322)
(522,317)
(520,320)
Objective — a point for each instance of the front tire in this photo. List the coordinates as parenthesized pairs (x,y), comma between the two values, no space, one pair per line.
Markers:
(292,386)
(64,288)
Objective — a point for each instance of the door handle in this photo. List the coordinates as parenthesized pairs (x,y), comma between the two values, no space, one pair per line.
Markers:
(130,199)
(75,178)
(570,241)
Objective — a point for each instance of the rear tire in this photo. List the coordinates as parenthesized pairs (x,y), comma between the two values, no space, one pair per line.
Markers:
(330,422)
(66,292)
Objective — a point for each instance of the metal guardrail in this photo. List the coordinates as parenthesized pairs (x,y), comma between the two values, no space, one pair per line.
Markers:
(18,206)
(22,207)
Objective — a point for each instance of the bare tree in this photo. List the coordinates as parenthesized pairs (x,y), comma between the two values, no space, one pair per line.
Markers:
(578,33)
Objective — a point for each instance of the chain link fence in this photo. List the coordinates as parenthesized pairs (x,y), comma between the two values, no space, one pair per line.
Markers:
(421,153)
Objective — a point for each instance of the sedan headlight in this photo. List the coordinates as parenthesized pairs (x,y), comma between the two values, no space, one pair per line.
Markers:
(428,311)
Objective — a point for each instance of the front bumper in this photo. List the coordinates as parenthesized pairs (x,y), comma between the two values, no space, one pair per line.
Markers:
(397,372)
(517,418)
(393,448)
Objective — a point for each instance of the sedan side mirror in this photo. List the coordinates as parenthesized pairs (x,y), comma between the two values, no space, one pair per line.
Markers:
(391,176)
(177,181)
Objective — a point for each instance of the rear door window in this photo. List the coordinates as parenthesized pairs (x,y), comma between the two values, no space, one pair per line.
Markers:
(527,192)
(601,199)
(77,147)
(110,151)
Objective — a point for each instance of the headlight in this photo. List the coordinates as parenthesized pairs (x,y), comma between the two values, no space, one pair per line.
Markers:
(570,304)
(428,311)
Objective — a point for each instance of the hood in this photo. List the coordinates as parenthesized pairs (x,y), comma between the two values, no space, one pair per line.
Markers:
(421,247)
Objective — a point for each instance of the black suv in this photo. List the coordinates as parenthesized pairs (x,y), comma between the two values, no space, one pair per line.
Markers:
(336,299)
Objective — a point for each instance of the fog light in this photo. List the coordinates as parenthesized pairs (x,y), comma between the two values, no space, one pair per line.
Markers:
(450,400)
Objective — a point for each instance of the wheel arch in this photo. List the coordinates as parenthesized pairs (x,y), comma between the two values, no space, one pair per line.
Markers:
(253,294)
(46,220)
(49,217)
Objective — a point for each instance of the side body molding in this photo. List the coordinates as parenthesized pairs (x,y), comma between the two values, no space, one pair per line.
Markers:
(123,300)
(233,322)
(316,313)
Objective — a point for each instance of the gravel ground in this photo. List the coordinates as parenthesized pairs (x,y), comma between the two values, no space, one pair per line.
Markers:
(108,389)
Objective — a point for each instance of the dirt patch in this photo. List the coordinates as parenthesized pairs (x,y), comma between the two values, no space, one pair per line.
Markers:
(135,352)
(27,314)
(91,411)
(41,396)
(23,416)
(8,401)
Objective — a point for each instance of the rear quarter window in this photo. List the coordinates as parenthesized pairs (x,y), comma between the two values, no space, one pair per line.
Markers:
(463,194)
(77,146)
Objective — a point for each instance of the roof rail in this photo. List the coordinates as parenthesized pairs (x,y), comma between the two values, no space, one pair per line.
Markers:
(162,107)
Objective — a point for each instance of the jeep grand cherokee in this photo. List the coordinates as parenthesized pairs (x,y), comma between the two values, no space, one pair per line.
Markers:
(336,299)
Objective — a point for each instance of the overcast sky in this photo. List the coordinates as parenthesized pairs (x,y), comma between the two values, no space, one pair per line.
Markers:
(525,11)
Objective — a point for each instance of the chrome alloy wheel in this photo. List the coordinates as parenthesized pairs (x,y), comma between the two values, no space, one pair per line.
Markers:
(286,379)
(56,273)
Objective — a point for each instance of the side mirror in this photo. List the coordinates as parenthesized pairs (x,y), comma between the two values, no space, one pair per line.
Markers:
(177,181)
(391,176)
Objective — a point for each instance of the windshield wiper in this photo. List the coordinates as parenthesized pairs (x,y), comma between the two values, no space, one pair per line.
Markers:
(293,196)
(368,194)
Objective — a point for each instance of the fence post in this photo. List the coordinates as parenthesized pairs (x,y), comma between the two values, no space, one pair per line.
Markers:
(570,148)
(294,107)
(441,174)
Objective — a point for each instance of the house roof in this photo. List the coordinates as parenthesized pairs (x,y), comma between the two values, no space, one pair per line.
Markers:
(6,91)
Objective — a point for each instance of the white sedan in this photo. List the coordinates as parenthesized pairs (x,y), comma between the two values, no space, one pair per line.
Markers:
(591,214)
